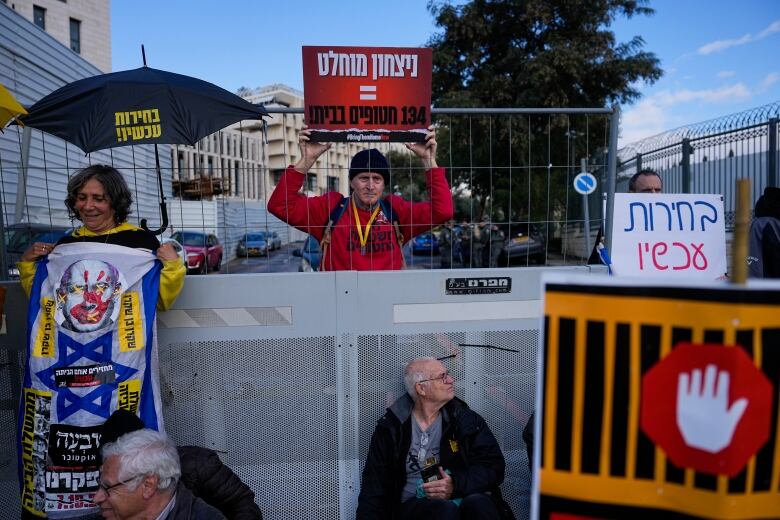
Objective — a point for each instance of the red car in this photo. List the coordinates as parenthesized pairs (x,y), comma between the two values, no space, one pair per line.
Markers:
(204,252)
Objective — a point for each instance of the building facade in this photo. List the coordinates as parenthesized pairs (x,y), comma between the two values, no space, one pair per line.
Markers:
(227,163)
(240,161)
(83,26)
(329,173)
(34,170)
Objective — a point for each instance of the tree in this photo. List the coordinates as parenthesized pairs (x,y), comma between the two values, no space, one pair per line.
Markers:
(530,53)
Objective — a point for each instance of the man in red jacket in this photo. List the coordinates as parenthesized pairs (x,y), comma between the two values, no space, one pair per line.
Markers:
(364,236)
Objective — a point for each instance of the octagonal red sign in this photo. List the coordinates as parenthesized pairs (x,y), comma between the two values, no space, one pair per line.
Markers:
(708,407)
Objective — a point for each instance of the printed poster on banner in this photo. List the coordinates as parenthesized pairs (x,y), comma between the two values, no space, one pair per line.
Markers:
(367,94)
(658,401)
(91,349)
(661,235)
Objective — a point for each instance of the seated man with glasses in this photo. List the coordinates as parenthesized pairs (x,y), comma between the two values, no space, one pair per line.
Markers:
(431,456)
(139,478)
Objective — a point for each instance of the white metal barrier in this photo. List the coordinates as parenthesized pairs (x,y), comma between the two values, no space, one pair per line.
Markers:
(285,374)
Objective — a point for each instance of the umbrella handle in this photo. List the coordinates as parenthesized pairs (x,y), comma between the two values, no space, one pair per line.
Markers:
(164,213)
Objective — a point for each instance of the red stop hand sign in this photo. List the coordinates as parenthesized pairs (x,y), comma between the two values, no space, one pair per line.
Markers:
(708,407)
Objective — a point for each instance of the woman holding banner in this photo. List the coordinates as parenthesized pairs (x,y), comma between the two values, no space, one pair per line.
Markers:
(91,341)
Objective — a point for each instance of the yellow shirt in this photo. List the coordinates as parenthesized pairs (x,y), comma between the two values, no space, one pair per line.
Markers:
(171,277)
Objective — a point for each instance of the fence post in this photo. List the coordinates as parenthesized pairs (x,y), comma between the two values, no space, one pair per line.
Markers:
(614,122)
(21,187)
(638,162)
(771,158)
(686,165)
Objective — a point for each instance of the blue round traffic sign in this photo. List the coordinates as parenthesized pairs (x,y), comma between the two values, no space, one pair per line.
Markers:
(585,183)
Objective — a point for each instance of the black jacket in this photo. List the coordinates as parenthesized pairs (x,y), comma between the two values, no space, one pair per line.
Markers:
(468,450)
(205,475)
(764,245)
(764,248)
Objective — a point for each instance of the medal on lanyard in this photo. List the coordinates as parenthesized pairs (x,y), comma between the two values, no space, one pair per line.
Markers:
(363,237)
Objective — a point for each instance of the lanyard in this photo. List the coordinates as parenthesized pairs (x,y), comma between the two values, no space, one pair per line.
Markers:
(363,238)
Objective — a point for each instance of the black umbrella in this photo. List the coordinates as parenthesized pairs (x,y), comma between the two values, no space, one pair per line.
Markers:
(140,106)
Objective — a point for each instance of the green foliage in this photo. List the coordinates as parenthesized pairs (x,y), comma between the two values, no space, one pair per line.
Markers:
(530,53)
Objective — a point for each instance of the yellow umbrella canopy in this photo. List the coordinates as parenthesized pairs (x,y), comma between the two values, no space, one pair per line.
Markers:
(9,107)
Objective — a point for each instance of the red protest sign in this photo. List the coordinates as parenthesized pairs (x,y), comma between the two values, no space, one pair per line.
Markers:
(367,94)
(708,407)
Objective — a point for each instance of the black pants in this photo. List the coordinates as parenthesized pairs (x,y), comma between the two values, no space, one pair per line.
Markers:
(478,506)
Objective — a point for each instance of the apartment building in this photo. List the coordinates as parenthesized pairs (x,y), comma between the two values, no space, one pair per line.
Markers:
(329,173)
(227,163)
(83,26)
(240,161)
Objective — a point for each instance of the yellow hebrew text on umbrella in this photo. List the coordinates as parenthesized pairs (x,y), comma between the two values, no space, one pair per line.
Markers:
(9,107)
(135,124)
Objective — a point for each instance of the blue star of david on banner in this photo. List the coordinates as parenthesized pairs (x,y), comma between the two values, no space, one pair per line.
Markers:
(97,401)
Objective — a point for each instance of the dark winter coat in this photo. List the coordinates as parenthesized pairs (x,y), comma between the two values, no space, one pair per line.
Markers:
(208,478)
(468,450)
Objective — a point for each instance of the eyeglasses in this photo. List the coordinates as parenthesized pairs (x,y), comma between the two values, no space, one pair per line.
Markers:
(443,377)
(106,489)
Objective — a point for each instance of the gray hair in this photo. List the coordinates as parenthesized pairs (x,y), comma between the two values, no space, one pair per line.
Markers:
(145,452)
(413,375)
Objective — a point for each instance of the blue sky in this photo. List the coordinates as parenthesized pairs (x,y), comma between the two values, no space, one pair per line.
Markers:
(719,57)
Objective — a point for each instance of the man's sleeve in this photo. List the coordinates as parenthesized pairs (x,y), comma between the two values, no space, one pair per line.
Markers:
(376,481)
(214,483)
(770,249)
(486,463)
(309,214)
(419,217)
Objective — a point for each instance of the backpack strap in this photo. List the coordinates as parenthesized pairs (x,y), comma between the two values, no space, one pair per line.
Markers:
(387,209)
(335,216)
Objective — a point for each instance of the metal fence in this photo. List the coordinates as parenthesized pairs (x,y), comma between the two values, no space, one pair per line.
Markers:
(709,157)
(510,170)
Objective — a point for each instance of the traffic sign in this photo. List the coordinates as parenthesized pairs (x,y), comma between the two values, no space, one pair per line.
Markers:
(585,183)
(708,407)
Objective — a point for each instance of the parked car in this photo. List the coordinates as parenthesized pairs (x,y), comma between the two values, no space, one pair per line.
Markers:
(274,240)
(252,244)
(19,237)
(524,246)
(204,252)
(425,243)
(177,246)
(310,255)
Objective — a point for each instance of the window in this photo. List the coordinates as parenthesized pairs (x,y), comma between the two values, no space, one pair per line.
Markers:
(75,35)
(333,183)
(39,17)
(312,182)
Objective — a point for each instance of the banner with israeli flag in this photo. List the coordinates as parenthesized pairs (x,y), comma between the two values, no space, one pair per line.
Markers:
(91,349)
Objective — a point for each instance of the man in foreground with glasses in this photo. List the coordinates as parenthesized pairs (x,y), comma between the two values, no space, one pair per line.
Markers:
(431,456)
(139,478)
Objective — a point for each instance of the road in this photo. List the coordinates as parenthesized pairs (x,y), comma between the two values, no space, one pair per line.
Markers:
(283,261)
(279,261)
